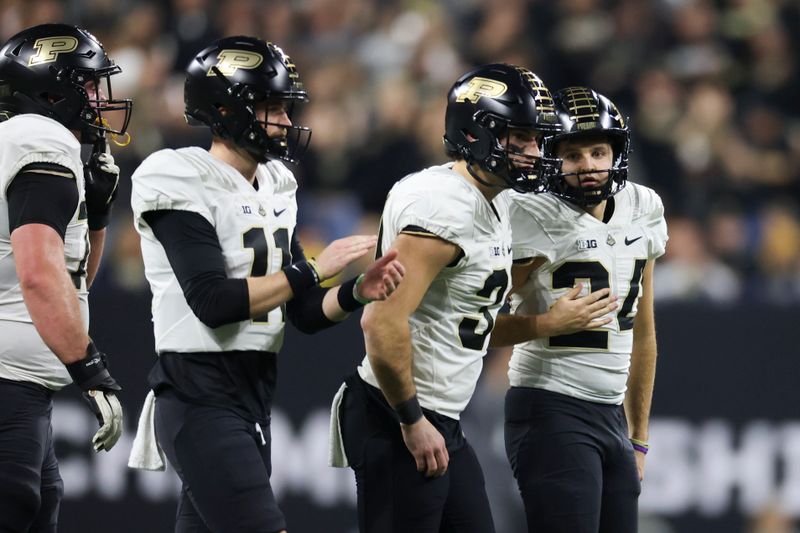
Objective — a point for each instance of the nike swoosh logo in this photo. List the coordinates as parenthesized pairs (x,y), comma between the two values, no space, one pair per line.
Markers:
(278,213)
(631,241)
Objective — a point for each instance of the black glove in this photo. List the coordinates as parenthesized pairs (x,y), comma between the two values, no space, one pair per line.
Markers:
(91,375)
(101,177)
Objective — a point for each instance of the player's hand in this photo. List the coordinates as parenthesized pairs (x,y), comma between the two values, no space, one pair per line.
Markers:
(101,177)
(341,253)
(381,278)
(99,388)
(427,446)
(640,457)
(572,313)
(106,407)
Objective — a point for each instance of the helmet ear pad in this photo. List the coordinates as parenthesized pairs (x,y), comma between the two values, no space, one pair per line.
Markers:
(479,142)
(227,122)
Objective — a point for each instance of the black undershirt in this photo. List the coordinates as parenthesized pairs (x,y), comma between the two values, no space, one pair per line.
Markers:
(243,381)
(195,255)
(42,193)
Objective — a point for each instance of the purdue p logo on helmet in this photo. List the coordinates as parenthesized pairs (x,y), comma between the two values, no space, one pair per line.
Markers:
(232,60)
(224,83)
(44,70)
(478,87)
(50,47)
(483,105)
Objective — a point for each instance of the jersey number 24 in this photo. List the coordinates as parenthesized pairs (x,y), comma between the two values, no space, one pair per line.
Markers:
(564,277)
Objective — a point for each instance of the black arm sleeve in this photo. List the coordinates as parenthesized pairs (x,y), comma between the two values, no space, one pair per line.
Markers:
(42,193)
(195,255)
(305,311)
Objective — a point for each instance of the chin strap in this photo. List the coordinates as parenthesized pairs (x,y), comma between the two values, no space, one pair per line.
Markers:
(481,180)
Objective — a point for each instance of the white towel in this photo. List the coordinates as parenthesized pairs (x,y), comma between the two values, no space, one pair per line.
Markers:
(336,454)
(146,454)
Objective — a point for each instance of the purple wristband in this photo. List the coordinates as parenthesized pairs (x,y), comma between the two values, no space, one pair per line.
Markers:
(640,448)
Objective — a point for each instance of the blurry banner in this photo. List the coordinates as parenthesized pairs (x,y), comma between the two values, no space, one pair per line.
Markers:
(725,432)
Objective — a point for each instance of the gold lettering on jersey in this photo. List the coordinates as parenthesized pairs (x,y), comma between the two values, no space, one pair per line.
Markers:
(232,60)
(49,48)
(479,87)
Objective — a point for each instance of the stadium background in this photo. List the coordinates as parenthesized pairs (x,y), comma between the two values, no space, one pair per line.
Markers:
(711,88)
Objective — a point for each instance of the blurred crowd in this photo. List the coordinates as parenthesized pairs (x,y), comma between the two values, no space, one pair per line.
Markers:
(712,89)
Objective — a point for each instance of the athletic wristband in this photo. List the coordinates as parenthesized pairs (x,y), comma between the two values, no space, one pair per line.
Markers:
(409,411)
(348,297)
(359,299)
(640,446)
(98,221)
(313,264)
(91,371)
(302,276)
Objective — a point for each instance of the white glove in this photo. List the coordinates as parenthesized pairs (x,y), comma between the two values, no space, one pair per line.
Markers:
(108,410)
(99,391)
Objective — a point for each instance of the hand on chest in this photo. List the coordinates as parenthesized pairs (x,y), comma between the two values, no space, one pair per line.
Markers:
(602,258)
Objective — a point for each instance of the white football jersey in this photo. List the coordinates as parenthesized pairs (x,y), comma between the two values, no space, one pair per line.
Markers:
(254,228)
(590,365)
(27,139)
(450,328)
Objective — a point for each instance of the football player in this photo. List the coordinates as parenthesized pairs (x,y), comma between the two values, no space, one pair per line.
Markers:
(222,256)
(578,461)
(55,94)
(396,422)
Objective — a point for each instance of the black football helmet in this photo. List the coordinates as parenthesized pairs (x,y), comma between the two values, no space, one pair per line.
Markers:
(236,73)
(45,69)
(481,108)
(584,113)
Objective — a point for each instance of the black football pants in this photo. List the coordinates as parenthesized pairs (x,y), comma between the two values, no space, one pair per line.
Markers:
(30,484)
(393,497)
(573,462)
(224,465)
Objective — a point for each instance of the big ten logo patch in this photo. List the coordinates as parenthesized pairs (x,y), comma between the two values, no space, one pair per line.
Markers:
(499,250)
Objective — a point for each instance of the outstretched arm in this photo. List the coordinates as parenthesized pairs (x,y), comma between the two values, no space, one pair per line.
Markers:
(318,308)
(379,281)
(195,256)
